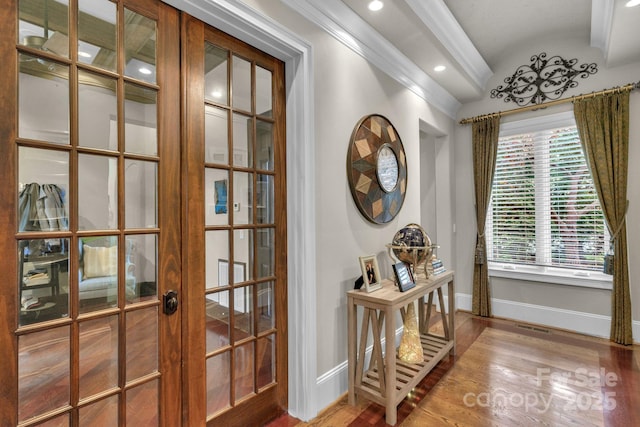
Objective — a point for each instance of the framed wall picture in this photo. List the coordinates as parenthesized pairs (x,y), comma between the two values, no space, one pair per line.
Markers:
(221,196)
(370,273)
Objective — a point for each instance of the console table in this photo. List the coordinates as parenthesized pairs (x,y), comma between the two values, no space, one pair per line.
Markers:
(387,380)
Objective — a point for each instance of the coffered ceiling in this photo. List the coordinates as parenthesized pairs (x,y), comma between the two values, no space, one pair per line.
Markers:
(471,38)
(407,39)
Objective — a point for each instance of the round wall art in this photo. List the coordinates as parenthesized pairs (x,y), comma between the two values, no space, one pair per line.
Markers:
(377,169)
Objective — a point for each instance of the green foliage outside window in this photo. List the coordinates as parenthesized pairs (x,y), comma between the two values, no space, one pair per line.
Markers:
(544,207)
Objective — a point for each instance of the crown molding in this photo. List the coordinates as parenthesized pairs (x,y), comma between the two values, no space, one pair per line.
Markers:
(337,19)
(245,23)
(436,16)
(601,23)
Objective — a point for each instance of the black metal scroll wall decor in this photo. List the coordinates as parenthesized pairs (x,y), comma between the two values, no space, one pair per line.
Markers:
(543,80)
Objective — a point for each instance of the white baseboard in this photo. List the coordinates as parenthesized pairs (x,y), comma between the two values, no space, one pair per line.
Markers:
(585,323)
(595,325)
(334,383)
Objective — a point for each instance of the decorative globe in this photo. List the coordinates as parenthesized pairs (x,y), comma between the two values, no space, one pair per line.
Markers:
(412,244)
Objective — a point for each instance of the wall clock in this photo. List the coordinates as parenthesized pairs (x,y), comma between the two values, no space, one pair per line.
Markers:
(377,169)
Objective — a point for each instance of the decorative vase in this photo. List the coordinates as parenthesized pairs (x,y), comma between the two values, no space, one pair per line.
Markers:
(410,350)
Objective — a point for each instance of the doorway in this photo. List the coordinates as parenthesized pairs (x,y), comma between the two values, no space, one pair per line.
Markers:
(98,228)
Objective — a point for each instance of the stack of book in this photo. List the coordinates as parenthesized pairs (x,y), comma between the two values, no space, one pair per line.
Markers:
(29,303)
(438,267)
(38,276)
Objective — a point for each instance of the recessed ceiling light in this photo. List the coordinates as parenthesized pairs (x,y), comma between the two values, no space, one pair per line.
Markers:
(144,71)
(84,54)
(439,68)
(632,3)
(375,5)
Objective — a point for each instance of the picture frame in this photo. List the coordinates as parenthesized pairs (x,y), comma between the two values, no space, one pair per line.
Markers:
(370,273)
(220,188)
(404,278)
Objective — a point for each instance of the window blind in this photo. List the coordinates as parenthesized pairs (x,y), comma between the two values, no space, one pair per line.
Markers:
(544,209)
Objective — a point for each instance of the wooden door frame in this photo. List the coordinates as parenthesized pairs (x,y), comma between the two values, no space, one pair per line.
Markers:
(256,29)
(169,198)
(170,216)
(8,215)
(274,399)
(194,373)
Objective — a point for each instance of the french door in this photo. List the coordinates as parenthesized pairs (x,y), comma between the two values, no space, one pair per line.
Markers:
(235,229)
(90,153)
(142,221)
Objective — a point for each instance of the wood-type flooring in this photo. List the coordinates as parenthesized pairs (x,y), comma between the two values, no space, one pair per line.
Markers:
(507,373)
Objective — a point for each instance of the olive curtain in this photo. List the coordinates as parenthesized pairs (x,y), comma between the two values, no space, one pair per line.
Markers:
(603,125)
(485,148)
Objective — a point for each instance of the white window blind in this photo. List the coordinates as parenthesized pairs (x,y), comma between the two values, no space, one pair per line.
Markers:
(544,209)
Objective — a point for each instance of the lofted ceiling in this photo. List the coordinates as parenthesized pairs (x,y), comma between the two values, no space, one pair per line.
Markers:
(471,38)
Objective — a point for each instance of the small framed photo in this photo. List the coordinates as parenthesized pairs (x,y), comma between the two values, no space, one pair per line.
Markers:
(404,277)
(370,273)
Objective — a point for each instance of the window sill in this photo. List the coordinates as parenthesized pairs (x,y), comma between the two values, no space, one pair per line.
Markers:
(580,278)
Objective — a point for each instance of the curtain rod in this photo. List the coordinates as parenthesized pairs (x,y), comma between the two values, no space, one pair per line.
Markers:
(628,87)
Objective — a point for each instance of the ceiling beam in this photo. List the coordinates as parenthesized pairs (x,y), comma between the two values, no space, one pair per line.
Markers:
(437,17)
(346,26)
(601,23)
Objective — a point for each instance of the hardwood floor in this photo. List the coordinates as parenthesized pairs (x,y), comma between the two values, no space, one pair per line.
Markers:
(46,370)
(510,374)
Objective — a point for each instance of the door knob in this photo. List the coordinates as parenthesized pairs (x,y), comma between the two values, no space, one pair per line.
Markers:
(170,302)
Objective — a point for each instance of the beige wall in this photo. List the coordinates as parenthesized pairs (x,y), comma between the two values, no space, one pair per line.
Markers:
(346,88)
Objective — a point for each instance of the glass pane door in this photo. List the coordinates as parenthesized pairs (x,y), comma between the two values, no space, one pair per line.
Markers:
(239,229)
(236,159)
(91,239)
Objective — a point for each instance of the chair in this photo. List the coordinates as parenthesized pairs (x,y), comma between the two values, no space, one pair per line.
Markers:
(98,268)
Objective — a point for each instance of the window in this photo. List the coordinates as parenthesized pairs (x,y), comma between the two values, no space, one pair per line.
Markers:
(544,219)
